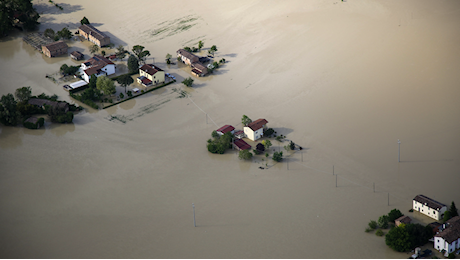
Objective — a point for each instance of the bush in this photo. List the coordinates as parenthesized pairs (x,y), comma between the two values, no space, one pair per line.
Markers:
(411,210)
(269,132)
(383,221)
(245,155)
(214,134)
(130,94)
(367,230)
(373,224)
(394,214)
(379,232)
(278,156)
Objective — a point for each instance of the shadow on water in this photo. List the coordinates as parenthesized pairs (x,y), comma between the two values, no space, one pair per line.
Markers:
(10,137)
(419,161)
(115,40)
(282,130)
(47,8)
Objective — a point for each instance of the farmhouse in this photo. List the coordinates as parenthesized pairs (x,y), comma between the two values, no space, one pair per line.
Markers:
(449,238)
(98,66)
(199,69)
(94,35)
(55,49)
(187,57)
(429,207)
(225,129)
(76,55)
(255,130)
(150,74)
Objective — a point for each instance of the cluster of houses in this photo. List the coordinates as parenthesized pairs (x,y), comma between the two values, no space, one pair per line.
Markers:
(253,131)
(447,235)
(87,31)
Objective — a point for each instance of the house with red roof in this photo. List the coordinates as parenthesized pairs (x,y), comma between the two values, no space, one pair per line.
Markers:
(241,145)
(225,129)
(150,74)
(449,238)
(97,65)
(255,130)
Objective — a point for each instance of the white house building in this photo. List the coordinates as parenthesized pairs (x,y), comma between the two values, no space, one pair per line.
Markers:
(429,207)
(255,130)
(449,238)
(98,66)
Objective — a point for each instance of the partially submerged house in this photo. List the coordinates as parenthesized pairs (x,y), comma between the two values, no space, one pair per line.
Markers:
(94,35)
(63,106)
(198,69)
(255,130)
(429,207)
(402,220)
(239,134)
(150,74)
(225,129)
(76,55)
(240,144)
(55,49)
(98,66)
(449,238)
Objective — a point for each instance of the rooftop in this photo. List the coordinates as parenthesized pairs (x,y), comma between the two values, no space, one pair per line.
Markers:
(56,46)
(89,29)
(225,129)
(241,144)
(429,202)
(150,69)
(452,231)
(256,125)
(188,55)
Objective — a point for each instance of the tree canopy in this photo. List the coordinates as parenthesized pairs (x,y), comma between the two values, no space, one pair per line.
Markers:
(140,53)
(245,155)
(133,63)
(22,10)
(105,85)
(267,144)
(84,20)
(245,120)
(394,214)
(23,94)
(278,156)
(8,113)
(405,237)
(65,33)
(125,80)
(188,82)
(93,48)
(121,52)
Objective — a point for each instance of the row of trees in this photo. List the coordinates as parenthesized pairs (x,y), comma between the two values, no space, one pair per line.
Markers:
(13,111)
(64,34)
(19,13)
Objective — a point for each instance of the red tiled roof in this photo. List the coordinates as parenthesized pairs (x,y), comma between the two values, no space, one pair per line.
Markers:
(225,129)
(146,81)
(239,132)
(241,144)
(256,125)
(93,70)
(99,60)
(150,69)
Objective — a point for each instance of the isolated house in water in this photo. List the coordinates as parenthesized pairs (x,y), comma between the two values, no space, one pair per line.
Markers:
(98,66)
(198,69)
(429,207)
(255,130)
(94,35)
(55,49)
(449,238)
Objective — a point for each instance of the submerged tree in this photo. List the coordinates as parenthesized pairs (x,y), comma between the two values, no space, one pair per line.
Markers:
(125,80)
(188,82)
(245,120)
(84,20)
(133,63)
(23,94)
(8,112)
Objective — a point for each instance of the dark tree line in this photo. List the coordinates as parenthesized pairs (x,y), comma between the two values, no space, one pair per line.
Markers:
(17,13)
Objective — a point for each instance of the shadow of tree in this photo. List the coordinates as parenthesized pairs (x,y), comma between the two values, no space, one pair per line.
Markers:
(49,8)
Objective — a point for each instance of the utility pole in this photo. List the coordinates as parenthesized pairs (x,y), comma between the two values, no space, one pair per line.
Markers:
(206,118)
(399,150)
(374,187)
(332,169)
(301,153)
(194,223)
(388,199)
(336,181)
(287,160)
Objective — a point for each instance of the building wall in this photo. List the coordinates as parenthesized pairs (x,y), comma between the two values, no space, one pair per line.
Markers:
(441,244)
(253,135)
(54,53)
(158,77)
(432,213)
(105,41)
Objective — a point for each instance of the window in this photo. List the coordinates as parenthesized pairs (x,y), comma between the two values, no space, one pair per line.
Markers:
(434,212)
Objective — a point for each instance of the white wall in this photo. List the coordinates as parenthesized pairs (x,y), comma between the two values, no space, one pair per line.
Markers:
(432,213)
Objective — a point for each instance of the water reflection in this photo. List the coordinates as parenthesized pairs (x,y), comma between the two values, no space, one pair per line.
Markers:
(62,129)
(35,132)
(10,137)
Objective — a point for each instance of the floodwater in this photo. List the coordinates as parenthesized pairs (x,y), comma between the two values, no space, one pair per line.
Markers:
(124,188)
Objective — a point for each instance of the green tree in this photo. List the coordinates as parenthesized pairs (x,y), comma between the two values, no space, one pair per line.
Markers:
(92,81)
(200,45)
(168,58)
(245,120)
(267,144)
(398,239)
(383,221)
(373,224)
(84,21)
(8,112)
(214,48)
(93,48)
(105,85)
(245,155)
(141,54)
(269,132)
(453,210)
(103,53)
(278,156)
(394,214)
(379,232)
(121,52)
(133,63)
(121,95)
(188,82)
(125,80)
(65,33)
(292,145)
(214,134)
(23,94)
(49,33)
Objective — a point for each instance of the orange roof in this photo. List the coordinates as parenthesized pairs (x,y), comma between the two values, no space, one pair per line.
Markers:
(256,125)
